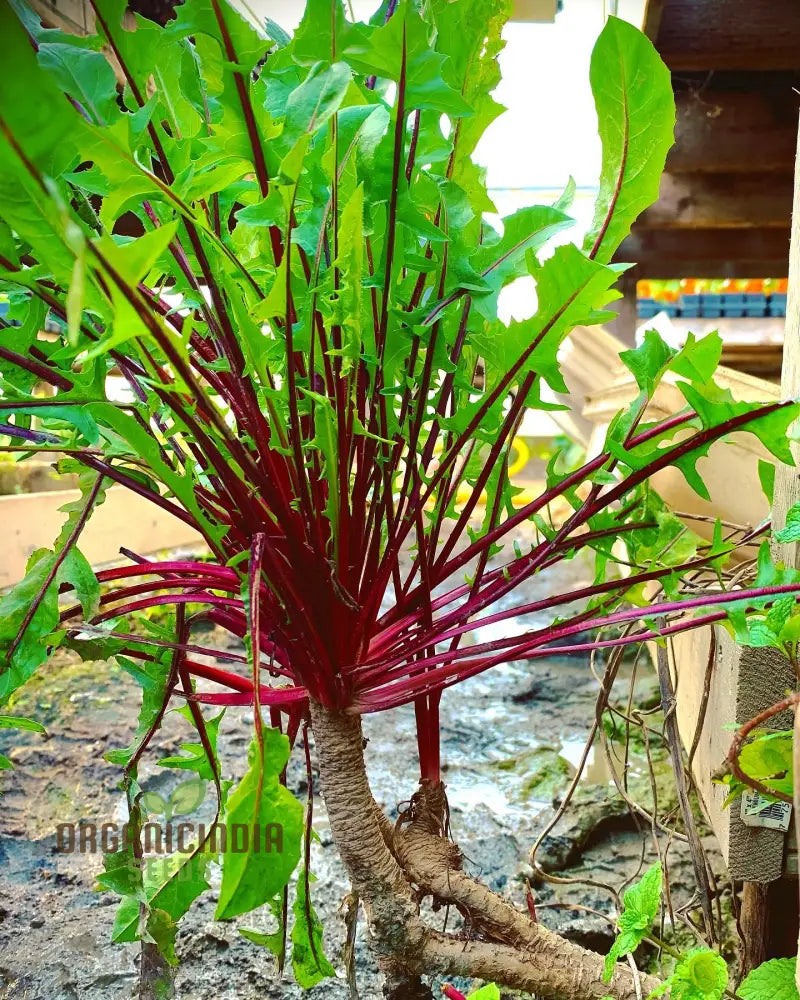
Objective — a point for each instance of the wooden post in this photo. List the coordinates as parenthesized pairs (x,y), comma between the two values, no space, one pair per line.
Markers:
(757,913)
(787,480)
(623,326)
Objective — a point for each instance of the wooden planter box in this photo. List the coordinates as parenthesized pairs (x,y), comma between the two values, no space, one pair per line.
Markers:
(33,520)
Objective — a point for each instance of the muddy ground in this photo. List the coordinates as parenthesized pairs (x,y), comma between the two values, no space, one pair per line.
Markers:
(508,739)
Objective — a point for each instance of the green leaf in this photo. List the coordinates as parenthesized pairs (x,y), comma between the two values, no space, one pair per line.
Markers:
(766,476)
(255,871)
(34,109)
(197,759)
(161,930)
(76,416)
(274,940)
(31,649)
(768,758)
(151,676)
(636,116)
(641,903)
(697,360)
(648,362)
(790,532)
(308,959)
(170,883)
(348,303)
(15,722)
(488,992)
(699,975)
(504,260)
(316,100)
(773,980)
(571,291)
(85,75)
(715,405)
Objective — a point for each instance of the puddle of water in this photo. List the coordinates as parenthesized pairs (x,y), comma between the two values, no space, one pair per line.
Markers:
(474,793)
(596,771)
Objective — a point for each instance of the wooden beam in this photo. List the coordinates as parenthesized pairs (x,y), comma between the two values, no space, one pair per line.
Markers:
(623,326)
(709,201)
(730,34)
(707,253)
(651,22)
(721,201)
(32,520)
(534,10)
(748,125)
(73,16)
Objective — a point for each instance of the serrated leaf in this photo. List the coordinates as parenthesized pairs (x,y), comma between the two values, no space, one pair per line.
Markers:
(648,362)
(772,980)
(309,964)
(790,532)
(255,874)
(636,116)
(170,883)
(640,907)
(699,975)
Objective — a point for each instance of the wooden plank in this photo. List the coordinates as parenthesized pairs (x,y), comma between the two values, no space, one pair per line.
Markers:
(708,253)
(534,10)
(623,326)
(720,201)
(33,520)
(734,123)
(787,488)
(73,16)
(730,34)
(651,21)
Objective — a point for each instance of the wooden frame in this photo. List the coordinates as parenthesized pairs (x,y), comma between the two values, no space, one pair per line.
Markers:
(32,520)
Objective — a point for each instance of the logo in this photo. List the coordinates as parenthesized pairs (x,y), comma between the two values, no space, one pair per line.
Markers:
(166,837)
(183,800)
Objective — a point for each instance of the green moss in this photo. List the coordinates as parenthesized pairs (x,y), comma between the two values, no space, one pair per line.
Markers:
(63,686)
(542,772)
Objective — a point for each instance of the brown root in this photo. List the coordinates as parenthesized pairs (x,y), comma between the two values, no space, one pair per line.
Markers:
(393,866)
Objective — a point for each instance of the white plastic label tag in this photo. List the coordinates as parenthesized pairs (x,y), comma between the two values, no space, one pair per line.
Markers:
(759,811)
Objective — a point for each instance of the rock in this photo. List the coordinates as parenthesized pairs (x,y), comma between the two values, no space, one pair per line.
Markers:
(592,812)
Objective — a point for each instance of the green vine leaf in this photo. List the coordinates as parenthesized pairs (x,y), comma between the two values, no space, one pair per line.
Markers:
(773,980)
(488,992)
(700,975)
(641,904)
